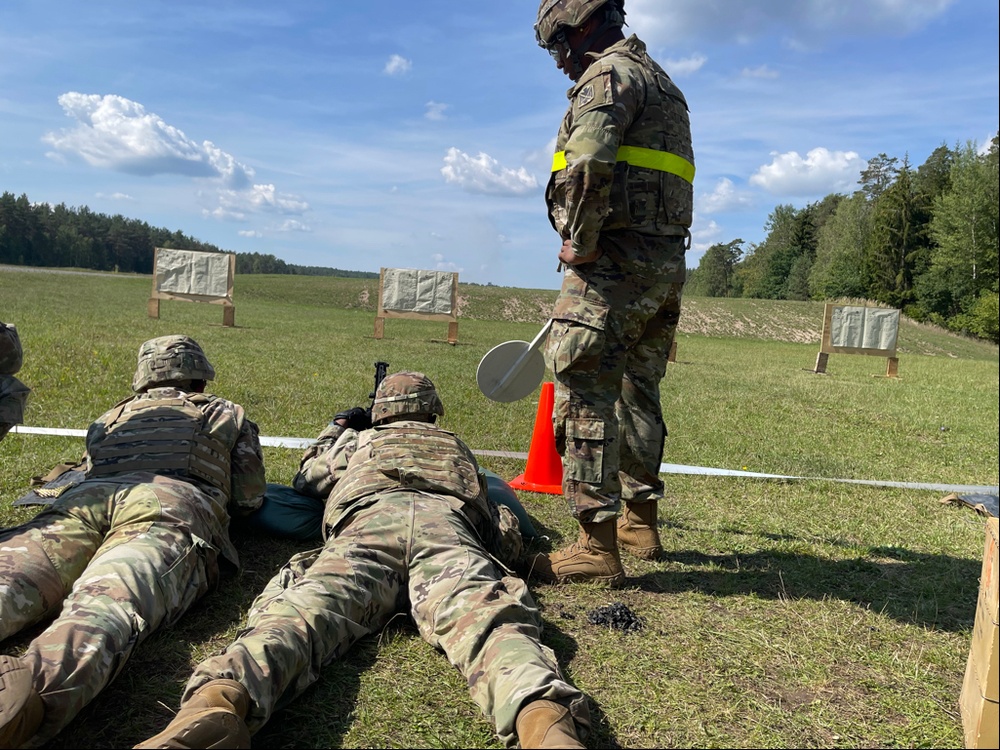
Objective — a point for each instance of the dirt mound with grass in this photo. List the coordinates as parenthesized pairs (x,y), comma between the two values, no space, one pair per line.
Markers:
(760,319)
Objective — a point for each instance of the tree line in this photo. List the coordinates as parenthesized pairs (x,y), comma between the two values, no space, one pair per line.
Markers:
(46,236)
(922,240)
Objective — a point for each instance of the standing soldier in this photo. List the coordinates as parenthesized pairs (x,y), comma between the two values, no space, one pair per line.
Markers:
(620,196)
(132,547)
(409,528)
(13,393)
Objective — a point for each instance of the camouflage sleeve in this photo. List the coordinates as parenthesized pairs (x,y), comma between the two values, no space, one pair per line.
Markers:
(248,480)
(603,108)
(325,461)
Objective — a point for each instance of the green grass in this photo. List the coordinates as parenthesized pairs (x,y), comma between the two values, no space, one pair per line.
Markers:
(784,614)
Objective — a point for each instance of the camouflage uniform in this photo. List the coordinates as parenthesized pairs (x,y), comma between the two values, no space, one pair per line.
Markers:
(408,528)
(133,546)
(621,184)
(13,393)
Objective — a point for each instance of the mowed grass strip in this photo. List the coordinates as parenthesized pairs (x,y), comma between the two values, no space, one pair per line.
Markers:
(805,613)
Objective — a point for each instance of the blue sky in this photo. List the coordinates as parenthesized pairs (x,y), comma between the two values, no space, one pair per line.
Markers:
(419,134)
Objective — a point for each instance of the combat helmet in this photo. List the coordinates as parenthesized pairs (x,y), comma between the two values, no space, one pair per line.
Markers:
(170,360)
(10,349)
(555,15)
(405,394)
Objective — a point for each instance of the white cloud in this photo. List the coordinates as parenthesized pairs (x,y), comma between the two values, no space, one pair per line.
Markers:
(685,66)
(112,132)
(435,110)
(223,213)
(397,65)
(235,205)
(659,22)
(252,233)
(819,173)
(723,198)
(761,71)
(703,236)
(540,159)
(443,264)
(293,225)
(116,196)
(115,133)
(484,174)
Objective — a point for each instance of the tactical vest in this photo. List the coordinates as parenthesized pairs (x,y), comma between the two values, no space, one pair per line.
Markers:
(414,456)
(652,189)
(165,433)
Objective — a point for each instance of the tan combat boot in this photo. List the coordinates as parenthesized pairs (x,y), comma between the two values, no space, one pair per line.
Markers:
(21,707)
(637,533)
(593,557)
(544,724)
(212,718)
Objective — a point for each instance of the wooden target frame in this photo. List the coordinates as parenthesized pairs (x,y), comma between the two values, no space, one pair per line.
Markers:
(413,294)
(872,331)
(193,276)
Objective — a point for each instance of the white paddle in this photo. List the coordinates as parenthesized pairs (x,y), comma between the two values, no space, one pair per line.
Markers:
(512,370)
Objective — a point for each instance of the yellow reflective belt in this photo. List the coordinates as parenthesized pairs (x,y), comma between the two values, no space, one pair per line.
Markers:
(649,158)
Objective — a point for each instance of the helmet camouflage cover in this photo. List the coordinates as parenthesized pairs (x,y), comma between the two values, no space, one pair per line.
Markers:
(555,14)
(170,359)
(405,394)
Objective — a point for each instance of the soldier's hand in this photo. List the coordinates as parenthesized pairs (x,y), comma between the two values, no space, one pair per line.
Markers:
(567,256)
(357,418)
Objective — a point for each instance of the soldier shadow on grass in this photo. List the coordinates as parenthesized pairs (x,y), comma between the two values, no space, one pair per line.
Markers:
(602,733)
(547,539)
(933,590)
(145,694)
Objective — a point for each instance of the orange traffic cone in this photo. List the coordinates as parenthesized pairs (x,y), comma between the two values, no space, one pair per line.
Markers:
(543,472)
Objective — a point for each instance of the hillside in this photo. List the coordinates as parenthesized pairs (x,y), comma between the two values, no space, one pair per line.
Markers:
(768,320)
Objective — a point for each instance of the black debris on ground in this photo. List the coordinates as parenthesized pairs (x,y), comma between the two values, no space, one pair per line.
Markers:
(616,616)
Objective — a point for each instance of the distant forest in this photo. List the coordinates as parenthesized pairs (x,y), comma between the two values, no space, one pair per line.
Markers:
(39,234)
(922,240)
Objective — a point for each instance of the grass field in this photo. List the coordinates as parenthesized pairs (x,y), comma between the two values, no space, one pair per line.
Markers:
(791,613)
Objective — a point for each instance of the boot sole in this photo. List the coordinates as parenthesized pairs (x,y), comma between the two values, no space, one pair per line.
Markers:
(613,582)
(643,553)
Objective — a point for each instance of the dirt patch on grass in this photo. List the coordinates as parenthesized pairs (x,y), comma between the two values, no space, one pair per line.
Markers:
(800,325)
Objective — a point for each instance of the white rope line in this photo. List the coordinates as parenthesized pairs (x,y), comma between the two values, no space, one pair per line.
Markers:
(303,443)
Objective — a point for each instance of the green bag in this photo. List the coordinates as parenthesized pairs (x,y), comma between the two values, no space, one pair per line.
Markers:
(288,514)
(292,515)
(503,494)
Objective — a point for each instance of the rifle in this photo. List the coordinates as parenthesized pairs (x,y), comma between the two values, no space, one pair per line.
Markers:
(359,418)
(381,370)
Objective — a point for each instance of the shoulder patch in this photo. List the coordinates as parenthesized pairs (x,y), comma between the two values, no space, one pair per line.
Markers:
(594,92)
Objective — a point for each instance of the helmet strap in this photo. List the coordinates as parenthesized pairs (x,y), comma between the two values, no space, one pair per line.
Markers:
(575,57)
